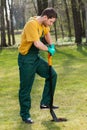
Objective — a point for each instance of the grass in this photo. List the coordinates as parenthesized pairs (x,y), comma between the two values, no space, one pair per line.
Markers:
(70,62)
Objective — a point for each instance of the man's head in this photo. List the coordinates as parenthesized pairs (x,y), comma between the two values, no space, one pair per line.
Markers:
(49,16)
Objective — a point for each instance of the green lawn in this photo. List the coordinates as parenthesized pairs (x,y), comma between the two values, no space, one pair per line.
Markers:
(70,62)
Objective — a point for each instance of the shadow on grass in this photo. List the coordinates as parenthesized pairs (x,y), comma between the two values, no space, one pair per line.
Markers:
(65,53)
(81,49)
(49,125)
(71,58)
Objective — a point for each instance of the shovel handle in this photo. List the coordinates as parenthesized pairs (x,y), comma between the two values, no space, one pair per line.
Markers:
(49,59)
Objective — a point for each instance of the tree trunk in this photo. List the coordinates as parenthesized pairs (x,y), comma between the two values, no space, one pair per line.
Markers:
(82,10)
(11,19)
(68,19)
(41,4)
(23,12)
(77,22)
(55,28)
(86,21)
(83,20)
(61,26)
(35,6)
(3,35)
(45,4)
(8,27)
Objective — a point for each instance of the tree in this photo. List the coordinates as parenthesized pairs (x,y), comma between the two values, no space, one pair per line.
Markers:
(55,25)
(35,6)
(82,10)
(6,24)
(61,26)
(41,4)
(19,14)
(11,20)
(3,34)
(77,22)
(86,21)
(68,19)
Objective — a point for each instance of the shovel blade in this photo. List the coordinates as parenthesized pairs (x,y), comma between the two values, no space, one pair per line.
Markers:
(55,118)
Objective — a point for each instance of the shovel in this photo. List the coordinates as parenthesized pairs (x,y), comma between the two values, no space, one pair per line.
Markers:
(55,118)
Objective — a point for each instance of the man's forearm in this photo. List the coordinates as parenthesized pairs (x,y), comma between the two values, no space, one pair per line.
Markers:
(40,45)
(48,38)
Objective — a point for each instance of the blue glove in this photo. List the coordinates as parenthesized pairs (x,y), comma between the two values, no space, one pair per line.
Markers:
(51,50)
(52,46)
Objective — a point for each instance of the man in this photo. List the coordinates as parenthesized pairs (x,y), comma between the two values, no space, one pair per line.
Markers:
(30,62)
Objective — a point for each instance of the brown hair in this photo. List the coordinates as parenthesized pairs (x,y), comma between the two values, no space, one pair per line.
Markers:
(49,12)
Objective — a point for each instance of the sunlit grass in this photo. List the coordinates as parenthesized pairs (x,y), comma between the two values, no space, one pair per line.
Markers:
(70,63)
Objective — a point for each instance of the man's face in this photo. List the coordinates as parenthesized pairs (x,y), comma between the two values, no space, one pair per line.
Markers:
(48,21)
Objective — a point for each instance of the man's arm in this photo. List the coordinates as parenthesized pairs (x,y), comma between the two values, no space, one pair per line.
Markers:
(40,45)
(43,47)
(48,38)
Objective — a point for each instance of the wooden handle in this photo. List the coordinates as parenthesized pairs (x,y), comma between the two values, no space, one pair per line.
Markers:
(49,59)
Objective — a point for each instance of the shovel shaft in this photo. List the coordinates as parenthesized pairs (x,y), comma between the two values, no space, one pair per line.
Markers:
(55,118)
(50,79)
(49,59)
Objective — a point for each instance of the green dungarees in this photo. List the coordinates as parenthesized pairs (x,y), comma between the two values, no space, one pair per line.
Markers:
(30,64)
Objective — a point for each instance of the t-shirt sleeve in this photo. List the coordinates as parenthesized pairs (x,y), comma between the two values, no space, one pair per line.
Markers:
(31,31)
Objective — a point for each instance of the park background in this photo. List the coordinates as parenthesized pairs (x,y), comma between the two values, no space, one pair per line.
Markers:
(69,34)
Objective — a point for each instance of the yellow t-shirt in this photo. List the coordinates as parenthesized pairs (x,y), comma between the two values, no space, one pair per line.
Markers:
(31,32)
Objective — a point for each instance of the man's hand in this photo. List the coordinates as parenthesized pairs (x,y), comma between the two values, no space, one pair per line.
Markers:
(52,46)
(51,49)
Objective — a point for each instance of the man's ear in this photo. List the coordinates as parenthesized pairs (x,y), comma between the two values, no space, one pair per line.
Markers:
(45,17)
